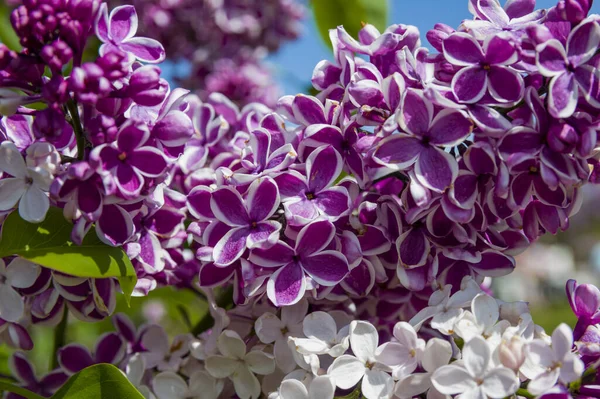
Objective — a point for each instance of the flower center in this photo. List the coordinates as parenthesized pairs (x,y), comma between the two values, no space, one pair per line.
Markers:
(122,156)
(310,196)
(486,67)
(533,170)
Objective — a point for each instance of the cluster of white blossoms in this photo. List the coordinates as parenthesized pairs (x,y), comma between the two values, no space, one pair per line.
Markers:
(465,345)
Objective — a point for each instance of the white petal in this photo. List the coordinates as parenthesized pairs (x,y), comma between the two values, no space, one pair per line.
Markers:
(231,345)
(363,340)
(11,304)
(322,387)
(21,273)
(319,326)
(245,383)
(393,354)
(562,341)
(571,369)
(11,190)
(413,385)
(310,346)
(377,385)
(260,362)
(268,328)
(203,385)
(168,385)
(293,389)
(486,310)
(451,380)
(445,321)
(283,355)
(438,353)
(155,340)
(473,393)
(543,382)
(136,366)
(294,314)
(500,383)
(539,354)
(221,366)
(346,371)
(476,356)
(11,160)
(405,334)
(34,205)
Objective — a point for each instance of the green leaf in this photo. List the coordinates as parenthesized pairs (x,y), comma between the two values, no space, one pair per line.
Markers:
(49,244)
(7,34)
(101,381)
(351,13)
(8,387)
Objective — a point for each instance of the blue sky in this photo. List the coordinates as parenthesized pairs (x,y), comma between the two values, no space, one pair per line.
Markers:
(295,61)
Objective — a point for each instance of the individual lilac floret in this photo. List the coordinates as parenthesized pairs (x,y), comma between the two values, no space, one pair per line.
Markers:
(118,30)
(585,302)
(23,370)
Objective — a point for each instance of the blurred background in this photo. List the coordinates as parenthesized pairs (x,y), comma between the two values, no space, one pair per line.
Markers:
(250,54)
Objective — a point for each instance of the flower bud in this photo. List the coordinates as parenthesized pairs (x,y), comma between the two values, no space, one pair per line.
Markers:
(102,129)
(512,353)
(49,124)
(44,155)
(437,35)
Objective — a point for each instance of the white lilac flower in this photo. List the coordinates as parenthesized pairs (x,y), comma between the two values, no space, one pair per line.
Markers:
(19,273)
(349,370)
(437,353)
(322,336)
(321,387)
(159,353)
(402,355)
(444,309)
(207,344)
(170,385)
(482,320)
(238,365)
(270,328)
(135,370)
(477,377)
(27,187)
(547,364)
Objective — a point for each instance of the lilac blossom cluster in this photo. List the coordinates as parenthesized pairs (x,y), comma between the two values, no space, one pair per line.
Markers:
(383,203)
(466,343)
(225,41)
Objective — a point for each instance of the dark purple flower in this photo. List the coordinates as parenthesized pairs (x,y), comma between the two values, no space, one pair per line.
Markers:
(585,302)
(309,257)
(24,372)
(110,348)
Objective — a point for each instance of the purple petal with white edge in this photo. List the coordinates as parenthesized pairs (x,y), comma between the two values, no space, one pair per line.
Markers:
(110,348)
(551,59)
(145,49)
(374,241)
(211,275)
(149,161)
(54,380)
(588,79)
(470,84)
(314,237)
(151,253)
(326,268)
(198,203)
(124,326)
(399,151)
(264,234)
(489,120)
(436,169)
(493,12)
(301,209)
(416,113)
(323,167)
(557,197)
(587,300)
(449,128)
(360,279)
(308,110)
(101,27)
(562,95)
(462,49)
(505,84)
(123,23)
(414,279)
(287,285)
(132,135)
(231,247)
(227,206)
(277,255)
(413,248)
(366,92)
(521,139)
(19,337)
(262,199)
(21,368)
(174,129)
(519,8)
(325,74)
(129,181)
(583,42)
(549,217)
(290,184)
(393,86)
(500,50)
(18,130)
(333,202)
(115,226)
(494,264)
(74,358)
(321,134)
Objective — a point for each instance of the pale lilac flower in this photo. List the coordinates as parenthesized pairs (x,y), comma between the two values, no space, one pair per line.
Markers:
(19,274)
(404,354)
(482,320)
(170,385)
(322,336)
(478,377)
(321,387)
(159,353)
(27,187)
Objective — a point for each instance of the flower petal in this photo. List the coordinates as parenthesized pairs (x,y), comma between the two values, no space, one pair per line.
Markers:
(436,169)
(470,84)
(398,151)
(123,23)
(145,49)
(462,49)
(228,206)
(262,199)
(323,167)
(326,268)
(346,371)
(364,339)
(451,380)
(231,247)
(562,95)
(505,84)
(287,285)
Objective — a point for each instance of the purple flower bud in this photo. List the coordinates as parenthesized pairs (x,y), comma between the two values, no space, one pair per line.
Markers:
(146,87)
(49,124)
(437,35)
(574,11)
(102,129)
(56,55)
(115,63)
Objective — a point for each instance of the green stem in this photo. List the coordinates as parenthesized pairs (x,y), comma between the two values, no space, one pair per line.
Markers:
(6,387)
(524,393)
(77,128)
(60,336)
